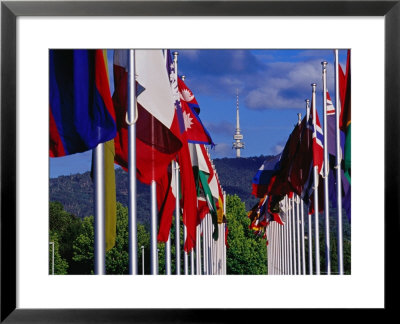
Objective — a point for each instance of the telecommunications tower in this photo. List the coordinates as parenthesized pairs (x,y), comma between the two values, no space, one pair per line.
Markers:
(238,137)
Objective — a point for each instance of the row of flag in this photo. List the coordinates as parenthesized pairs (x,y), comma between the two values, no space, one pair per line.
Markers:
(168,129)
(301,167)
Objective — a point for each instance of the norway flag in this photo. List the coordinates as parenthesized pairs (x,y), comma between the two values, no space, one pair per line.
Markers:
(81,110)
(318,148)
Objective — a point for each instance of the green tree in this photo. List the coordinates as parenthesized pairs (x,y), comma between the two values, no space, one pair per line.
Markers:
(60,264)
(117,259)
(246,253)
(68,227)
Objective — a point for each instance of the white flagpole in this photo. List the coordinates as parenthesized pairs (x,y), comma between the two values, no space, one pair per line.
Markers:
(185,254)
(290,243)
(281,252)
(177,204)
(177,221)
(338,168)
(309,236)
(310,259)
(131,116)
(99,212)
(168,255)
(192,272)
(153,231)
(294,237)
(297,201)
(316,210)
(326,172)
(142,260)
(198,250)
(274,260)
(298,233)
(205,254)
(285,235)
(268,251)
(210,239)
(303,251)
(272,247)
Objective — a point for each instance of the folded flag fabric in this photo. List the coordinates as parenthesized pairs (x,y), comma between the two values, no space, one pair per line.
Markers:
(157,128)
(81,109)
(166,200)
(345,114)
(196,132)
(263,176)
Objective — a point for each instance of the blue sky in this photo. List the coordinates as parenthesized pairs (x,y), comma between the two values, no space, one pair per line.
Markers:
(272,85)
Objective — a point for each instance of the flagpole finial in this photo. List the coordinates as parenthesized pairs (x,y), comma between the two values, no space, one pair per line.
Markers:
(183,77)
(324,64)
(314,86)
(307,102)
(176,53)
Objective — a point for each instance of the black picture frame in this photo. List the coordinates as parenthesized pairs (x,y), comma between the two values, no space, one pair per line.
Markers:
(10,10)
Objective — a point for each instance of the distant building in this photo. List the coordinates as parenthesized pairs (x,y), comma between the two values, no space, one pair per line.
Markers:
(238,144)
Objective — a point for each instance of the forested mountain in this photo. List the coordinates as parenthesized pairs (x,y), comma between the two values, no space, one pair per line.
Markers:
(75,192)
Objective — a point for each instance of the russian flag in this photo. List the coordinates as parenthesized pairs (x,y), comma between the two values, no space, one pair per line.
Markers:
(263,176)
(81,109)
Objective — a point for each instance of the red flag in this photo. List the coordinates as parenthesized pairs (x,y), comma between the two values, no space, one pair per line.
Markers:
(279,183)
(166,200)
(157,129)
(345,95)
(301,166)
(196,133)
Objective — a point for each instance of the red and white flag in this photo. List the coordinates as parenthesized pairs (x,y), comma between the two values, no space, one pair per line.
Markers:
(157,129)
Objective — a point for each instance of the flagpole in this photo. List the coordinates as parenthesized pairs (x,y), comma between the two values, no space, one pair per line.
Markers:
(185,254)
(297,201)
(177,203)
(99,212)
(132,220)
(285,245)
(294,237)
(210,239)
(310,265)
(290,244)
(205,254)
(153,230)
(192,272)
(168,255)
(326,171)
(281,249)
(168,243)
(316,208)
(142,247)
(338,168)
(303,252)
(177,221)
(198,250)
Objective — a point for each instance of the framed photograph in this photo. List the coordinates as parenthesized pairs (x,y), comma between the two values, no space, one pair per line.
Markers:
(30,28)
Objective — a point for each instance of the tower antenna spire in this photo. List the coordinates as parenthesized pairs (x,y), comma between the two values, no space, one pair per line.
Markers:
(238,144)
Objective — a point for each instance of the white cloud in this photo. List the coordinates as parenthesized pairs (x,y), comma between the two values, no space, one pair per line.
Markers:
(222,150)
